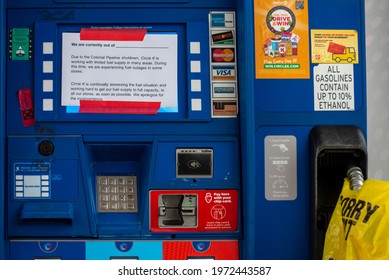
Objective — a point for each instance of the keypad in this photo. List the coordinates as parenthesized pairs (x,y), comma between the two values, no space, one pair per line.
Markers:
(117,194)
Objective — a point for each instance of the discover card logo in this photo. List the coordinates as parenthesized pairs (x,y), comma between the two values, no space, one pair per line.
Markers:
(222,38)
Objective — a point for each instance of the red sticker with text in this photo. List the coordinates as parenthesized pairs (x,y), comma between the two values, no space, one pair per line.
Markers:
(26,104)
(194,210)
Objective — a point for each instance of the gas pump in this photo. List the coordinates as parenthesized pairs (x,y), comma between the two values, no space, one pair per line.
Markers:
(190,129)
(122,130)
(303,112)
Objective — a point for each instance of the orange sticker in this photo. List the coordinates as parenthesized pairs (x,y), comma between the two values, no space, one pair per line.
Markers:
(281,40)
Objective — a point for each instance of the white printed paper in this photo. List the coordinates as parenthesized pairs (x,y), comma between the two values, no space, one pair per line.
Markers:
(334,87)
(143,71)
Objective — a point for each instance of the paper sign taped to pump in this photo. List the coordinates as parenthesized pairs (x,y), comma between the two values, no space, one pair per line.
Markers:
(144,71)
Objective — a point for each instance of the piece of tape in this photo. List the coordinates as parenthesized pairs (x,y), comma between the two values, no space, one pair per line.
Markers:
(119,107)
(113,34)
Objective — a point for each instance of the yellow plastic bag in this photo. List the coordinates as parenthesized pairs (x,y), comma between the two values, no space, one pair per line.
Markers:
(359,226)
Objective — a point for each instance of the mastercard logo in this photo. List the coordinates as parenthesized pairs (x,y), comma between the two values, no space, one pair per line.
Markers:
(223,55)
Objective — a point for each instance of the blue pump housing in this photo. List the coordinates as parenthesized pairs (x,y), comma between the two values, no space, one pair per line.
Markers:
(53,163)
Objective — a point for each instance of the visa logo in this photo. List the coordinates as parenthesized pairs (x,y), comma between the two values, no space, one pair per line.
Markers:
(223,72)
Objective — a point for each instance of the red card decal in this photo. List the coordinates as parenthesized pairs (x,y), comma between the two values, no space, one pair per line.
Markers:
(336,48)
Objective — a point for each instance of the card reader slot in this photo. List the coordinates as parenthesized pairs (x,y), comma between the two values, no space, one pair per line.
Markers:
(188,211)
(172,210)
(177,210)
(173,217)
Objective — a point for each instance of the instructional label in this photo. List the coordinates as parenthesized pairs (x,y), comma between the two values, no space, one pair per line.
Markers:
(143,71)
(32,180)
(20,44)
(217,211)
(280,167)
(334,87)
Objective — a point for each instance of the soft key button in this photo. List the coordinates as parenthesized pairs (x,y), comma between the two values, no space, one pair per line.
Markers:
(195,47)
(195,85)
(195,66)
(47,47)
(48,67)
(47,86)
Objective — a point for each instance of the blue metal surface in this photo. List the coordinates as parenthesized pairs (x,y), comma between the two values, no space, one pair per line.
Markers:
(3,43)
(47,249)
